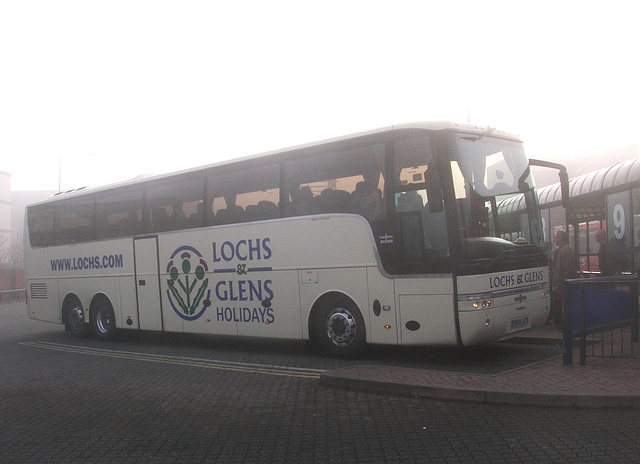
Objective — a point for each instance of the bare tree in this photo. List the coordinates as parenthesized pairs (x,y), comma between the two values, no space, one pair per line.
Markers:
(17,254)
(5,249)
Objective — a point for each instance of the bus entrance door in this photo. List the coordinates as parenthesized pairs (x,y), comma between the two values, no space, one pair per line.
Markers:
(148,283)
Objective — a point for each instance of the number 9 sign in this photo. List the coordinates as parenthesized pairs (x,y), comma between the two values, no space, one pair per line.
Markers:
(618,219)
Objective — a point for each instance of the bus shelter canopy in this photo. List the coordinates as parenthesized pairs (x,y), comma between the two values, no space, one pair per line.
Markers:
(587,193)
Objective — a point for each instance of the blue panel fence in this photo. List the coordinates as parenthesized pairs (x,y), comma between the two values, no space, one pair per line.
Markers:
(605,308)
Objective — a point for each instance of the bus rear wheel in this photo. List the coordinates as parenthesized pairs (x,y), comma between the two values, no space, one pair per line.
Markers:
(339,327)
(103,320)
(74,318)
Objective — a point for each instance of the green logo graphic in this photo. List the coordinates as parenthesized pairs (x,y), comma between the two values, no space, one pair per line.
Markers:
(188,292)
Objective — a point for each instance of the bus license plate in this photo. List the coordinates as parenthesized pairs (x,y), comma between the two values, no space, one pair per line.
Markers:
(520,323)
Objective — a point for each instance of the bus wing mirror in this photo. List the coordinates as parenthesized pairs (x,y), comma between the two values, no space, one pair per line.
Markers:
(434,190)
(562,174)
(564,187)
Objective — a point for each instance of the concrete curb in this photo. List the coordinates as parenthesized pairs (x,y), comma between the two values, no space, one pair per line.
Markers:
(341,378)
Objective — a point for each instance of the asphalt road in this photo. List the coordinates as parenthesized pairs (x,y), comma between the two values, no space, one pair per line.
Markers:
(155,398)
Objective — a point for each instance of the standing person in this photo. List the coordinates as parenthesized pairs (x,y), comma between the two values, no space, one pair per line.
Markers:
(563,266)
(610,264)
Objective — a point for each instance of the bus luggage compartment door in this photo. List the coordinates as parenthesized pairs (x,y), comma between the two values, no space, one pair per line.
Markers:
(426,311)
(148,283)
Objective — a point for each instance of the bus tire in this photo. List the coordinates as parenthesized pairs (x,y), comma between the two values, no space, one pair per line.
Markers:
(74,318)
(339,327)
(103,320)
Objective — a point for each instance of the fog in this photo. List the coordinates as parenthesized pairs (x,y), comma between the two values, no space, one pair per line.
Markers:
(94,93)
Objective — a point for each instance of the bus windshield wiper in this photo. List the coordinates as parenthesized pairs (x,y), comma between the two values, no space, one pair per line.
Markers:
(481,136)
(490,263)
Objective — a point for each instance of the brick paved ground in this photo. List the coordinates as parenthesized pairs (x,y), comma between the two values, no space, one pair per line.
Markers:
(90,402)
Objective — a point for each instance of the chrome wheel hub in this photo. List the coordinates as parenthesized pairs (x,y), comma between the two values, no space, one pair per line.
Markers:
(76,317)
(103,321)
(341,327)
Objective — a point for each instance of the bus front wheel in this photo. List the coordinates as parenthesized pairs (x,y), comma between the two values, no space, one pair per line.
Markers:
(339,327)
(103,321)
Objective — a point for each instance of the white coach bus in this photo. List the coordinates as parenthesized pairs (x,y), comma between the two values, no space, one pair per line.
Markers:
(386,237)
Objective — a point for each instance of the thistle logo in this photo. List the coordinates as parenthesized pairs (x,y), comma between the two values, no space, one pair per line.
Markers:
(188,287)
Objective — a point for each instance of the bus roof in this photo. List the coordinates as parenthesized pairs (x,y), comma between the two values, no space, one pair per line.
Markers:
(420,125)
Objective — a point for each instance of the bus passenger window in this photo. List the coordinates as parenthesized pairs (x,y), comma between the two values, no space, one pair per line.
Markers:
(170,205)
(74,221)
(119,213)
(410,201)
(197,219)
(40,225)
(244,195)
(302,201)
(367,201)
(346,181)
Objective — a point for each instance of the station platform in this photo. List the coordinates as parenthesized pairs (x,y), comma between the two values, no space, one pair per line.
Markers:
(604,382)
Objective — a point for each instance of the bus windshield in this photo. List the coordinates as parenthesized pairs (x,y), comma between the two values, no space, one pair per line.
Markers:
(486,170)
(490,167)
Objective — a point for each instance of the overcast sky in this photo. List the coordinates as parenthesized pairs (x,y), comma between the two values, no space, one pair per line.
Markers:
(95,92)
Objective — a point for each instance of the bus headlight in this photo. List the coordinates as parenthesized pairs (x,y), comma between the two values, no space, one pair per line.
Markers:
(476,300)
(545,292)
(482,304)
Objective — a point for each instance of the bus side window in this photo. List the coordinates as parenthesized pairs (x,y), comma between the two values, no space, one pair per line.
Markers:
(409,201)
(197,219)
(434,226)
(159,220)
(74,221)
(169,205)
(231,215)
(302,201)
(341,181)
(119,214)
(267,210)
(40,225)
(367,201)
(249,194)
(412,238)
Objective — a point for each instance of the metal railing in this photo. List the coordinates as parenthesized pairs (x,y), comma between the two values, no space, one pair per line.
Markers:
(602,313)
(7,296)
